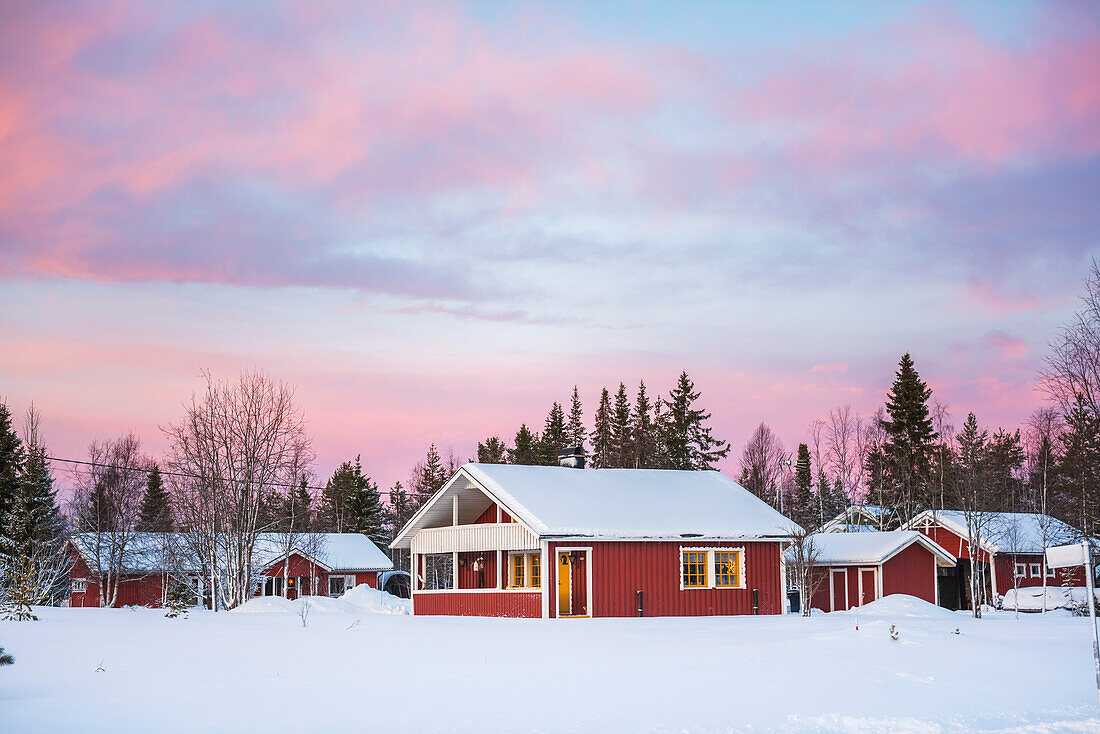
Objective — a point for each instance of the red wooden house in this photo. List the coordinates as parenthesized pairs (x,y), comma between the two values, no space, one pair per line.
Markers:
(853,569)
(537,541)
(1010,553)
(324,564)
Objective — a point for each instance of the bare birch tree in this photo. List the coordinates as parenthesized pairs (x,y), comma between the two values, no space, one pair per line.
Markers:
(236,442)
(1073,366)
(801,559)
(762,465)
(840,433)
(1044,427)
(106,505)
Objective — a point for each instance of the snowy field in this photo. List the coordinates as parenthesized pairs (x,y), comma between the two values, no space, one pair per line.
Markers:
(356,670)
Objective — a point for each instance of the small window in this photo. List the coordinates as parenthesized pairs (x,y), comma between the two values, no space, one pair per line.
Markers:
(1035,571)
(727,569)
(1021,570)
(79,586)
(517,571)
(535,561)
(335,585)
(694,569)
(1050,573)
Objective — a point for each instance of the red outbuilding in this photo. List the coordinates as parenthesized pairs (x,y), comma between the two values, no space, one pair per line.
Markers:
(853,569)
(538,541)
(144,566)
(1010,552)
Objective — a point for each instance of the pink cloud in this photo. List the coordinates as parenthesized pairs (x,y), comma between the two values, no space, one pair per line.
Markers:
(830,367)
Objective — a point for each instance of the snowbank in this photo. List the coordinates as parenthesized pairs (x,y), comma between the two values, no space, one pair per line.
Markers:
(360,600)
(1058,597)
(902,605)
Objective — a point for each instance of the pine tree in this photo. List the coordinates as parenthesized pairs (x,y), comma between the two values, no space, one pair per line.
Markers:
(686,441)
(432,476)
(1078,469)
(621,441)
(156,513)
(803,509)
(5,658)
(365,511)
(332,516)
(399,509)
(526,449)
(297,507)
(575,430)
(11,463)
(492,451)
(642,432)
(553,435)
(601,433)
(33,518)
(908,446)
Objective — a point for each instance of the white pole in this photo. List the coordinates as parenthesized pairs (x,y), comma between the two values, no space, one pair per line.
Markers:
(1092,614)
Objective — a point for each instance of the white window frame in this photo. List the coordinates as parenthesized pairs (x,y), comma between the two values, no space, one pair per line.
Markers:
(1036,571)
(78,586)
(711,576)
(1021,570)
(1050,572)
(526,555)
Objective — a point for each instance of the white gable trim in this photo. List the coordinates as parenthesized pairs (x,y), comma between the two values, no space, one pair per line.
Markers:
(404,538)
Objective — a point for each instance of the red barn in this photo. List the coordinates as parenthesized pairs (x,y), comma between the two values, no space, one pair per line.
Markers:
(148,564)
(1010,552)
(853,569)
(538,541)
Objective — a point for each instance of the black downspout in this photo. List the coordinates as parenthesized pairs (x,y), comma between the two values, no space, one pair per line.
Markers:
(640,607)
(756,601)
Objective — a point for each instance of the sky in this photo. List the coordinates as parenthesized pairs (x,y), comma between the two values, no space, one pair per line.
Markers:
(436,219)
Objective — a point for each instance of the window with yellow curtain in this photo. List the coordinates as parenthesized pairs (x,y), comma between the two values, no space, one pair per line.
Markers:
(727,569)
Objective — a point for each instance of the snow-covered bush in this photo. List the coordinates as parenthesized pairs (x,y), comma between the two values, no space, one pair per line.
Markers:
(21,594)
(5,658)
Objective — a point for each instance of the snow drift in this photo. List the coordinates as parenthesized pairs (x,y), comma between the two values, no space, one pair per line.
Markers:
(360,600)
(1058,597)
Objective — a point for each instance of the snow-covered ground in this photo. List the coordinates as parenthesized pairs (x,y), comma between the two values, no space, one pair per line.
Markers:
(1031,599)
(350,670)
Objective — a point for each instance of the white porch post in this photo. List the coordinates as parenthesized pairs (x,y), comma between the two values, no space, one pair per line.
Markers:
(454,567)
(500,568)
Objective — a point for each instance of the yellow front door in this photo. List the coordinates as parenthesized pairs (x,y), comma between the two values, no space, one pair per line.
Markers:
(564,582)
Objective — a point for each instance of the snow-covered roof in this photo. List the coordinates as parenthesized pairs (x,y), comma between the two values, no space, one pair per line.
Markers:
(557,501)
(841,549)
(1005,532)
(335,551)
(155,552)
(856,518)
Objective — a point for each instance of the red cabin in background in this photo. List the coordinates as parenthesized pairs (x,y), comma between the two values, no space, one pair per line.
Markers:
(853,569)
(325,564)
(1011,552)
(538,541)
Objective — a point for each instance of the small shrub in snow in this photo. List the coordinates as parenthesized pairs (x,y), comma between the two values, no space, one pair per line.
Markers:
(893,633)
(5,658)
(21,595)
(303,612)
(178,597)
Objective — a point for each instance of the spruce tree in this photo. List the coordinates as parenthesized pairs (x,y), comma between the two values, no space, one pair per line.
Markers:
(297,507)
(575,428)
(803,510)
(622,449)
(687,442)
(526,449)
(601,432)
(642,432)
(432,476)
(11,463)
(365,511)
(909,441)
(1078,470)
(33,518)
(553,435)
(399,509)
(156,513)
(492,451)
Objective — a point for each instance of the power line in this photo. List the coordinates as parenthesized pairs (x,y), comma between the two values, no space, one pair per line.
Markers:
(177,474)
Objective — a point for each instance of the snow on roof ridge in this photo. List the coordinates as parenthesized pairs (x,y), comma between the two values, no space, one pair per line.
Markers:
(634,503)
(852,548)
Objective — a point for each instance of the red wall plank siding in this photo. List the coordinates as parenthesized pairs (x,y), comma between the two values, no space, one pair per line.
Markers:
(479,603)
(366,577)
(621,568)
(1006,570)
(951,542)
(468,577)
(913,572)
